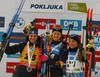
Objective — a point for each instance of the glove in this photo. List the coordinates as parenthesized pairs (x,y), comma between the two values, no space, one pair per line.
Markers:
(64,45)
(44,58)
(39,70)
(93,51)
(4,35)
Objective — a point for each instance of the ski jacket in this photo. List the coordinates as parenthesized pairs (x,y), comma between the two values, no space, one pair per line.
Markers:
(22,48)
(58,54)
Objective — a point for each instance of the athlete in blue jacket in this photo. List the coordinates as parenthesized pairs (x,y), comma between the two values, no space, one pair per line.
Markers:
(58,53)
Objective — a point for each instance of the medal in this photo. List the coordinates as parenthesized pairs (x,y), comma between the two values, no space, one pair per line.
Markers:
(70,75)
(29,69)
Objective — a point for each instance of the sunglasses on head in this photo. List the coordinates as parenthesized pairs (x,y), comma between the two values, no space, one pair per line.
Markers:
(73,35)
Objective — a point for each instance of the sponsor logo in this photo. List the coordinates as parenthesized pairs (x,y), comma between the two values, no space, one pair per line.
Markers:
(44,6)
(17,37)
(2,21)
(1,33)
(78,7)
(97,56)
(77,24)
(41,24)
(95,72)
(11,67)
(14,56)
(20,23)
(97,41)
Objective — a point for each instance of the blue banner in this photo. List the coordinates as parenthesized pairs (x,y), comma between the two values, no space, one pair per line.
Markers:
(2,21)
(17,38)
(97,41)
(14,56)
(77,24)
(1,33)
(97,23)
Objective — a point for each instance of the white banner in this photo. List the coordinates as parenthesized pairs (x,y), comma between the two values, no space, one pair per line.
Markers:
(49,6)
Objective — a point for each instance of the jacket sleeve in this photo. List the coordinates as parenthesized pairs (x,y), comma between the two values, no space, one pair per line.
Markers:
(15,48)
(62,58)
(93,61)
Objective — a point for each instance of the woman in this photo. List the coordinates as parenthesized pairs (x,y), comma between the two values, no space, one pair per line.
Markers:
(29,51)
(76,55)
(58,53)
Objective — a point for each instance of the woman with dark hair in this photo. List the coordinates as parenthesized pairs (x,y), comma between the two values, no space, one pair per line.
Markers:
(29,51)
(76,57)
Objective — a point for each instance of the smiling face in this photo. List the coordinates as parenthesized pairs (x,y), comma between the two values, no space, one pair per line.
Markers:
(56,35)
(33,38)
(72,43)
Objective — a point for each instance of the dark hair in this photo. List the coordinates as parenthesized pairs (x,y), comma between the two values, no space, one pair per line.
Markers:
(79,54)
(32,29)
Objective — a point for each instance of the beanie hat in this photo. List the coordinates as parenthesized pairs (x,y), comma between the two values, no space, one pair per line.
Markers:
(57,28)
(75,37)
(33,31)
